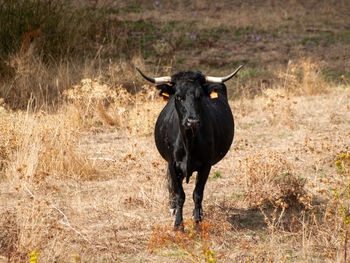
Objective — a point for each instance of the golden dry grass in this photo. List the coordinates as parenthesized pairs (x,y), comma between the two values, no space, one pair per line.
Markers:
(83,182)
(88,181)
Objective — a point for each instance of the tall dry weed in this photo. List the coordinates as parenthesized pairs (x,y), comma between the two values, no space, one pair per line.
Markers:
(279,105)
(336,220)
(91,98)
(303,78)
(123,72)
(99,104)
(9,136)
(46,158)
(35,81)
(48,148)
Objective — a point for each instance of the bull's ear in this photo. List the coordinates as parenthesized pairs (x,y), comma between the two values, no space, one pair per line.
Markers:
(214,90)
(165,91)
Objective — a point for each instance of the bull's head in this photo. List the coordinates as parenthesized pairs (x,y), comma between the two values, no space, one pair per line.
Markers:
(187,89)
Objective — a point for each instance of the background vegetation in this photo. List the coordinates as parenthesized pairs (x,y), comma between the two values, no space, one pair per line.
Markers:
(80,177)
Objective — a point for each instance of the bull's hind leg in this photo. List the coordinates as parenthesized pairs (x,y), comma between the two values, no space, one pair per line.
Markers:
(176,178)
(172,196)
(201,179)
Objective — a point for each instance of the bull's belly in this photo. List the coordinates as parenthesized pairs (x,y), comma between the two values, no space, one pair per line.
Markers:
(199,155)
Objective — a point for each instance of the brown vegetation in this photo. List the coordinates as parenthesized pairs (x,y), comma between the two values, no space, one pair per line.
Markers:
(88,181)
(81,179)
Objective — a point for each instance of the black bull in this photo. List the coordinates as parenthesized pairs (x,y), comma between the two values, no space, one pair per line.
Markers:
(193,132)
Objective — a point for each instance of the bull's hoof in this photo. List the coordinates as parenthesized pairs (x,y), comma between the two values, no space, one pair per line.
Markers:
(197,227)
(178,223)
(197,215)
(179,228)
(172,211)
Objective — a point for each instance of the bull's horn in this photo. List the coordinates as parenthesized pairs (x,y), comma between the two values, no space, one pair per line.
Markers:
(159,80)
(223,79)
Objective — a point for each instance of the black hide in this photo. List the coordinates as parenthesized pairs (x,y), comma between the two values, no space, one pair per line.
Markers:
(192,133)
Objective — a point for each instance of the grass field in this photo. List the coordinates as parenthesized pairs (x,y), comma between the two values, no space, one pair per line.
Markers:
(81,179)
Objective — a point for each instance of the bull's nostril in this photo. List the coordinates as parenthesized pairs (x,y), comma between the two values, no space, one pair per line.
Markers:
(192,122)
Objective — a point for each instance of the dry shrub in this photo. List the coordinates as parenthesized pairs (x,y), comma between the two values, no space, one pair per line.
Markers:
(99,104)
(34,80)
(31,226)
(48,157)
(91,100)
(143,116)
(8,235)
(279,106)
(9,135)
(269,181)
(338,210)
(49,149)
(123,73)
(303,78)
(328,225)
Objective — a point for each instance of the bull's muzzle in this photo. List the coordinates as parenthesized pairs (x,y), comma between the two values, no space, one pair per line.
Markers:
(192,122)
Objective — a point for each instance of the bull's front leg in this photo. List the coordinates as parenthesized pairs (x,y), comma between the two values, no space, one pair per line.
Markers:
(201,180)
(177,193)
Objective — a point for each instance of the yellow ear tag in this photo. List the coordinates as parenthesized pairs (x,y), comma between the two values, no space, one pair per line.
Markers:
(165,96)
(214,95)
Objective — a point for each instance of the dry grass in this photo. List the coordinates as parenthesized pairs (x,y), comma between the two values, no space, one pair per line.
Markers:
(83,182)
(43,162)
(268,180)
(100,105)
(42,84)
(280,108)
(8,136)
(88,181)
(33,80)
(303,77)
(116,36)
(46,158)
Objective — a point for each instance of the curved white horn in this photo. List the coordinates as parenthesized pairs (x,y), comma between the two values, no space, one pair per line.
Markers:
(159,80)
(223,79)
